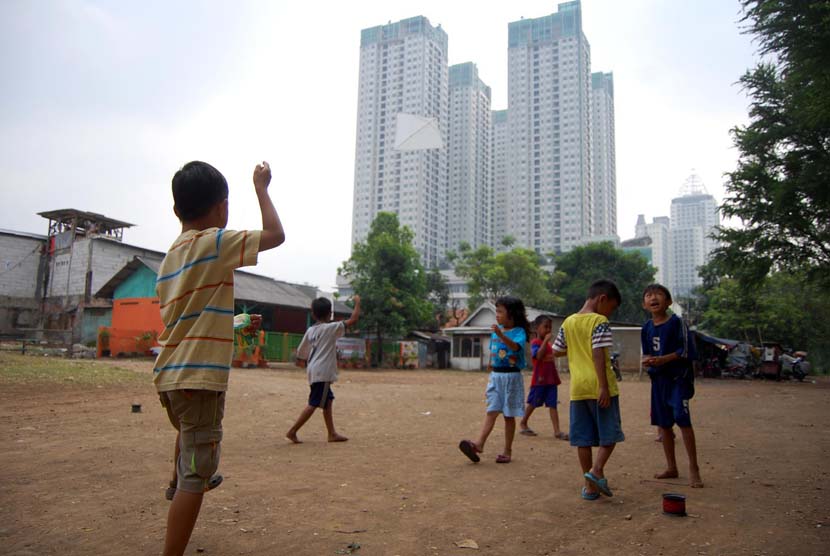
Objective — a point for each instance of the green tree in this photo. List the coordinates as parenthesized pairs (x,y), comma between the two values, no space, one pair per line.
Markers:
(784,307)
(779,189)
(579,268)
(386,272)
(438,294)
(491,275)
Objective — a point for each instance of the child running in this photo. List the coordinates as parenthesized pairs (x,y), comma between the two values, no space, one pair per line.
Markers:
(318,352)
(544,386)
(595,406)
(667,352)
(505,389)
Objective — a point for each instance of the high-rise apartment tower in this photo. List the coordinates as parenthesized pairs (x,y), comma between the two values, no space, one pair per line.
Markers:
(403,68)
(550,190)
(470,184)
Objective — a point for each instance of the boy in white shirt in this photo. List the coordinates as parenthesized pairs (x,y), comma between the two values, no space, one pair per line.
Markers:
(318,353)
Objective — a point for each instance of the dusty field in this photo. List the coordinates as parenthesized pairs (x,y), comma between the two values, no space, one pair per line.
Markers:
(81,474)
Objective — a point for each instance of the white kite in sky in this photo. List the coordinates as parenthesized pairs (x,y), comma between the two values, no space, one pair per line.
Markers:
(415,133)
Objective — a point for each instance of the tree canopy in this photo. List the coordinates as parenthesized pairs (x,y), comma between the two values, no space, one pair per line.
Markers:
(386,272)
(490,275)
(438,295)
(579,268)
(780,189)
(783,307)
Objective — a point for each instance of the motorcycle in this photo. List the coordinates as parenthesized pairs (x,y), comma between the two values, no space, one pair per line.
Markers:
(794,366)
(796,369)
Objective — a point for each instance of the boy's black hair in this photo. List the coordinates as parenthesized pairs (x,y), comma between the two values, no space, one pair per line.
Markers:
(197,188)
(516,311)
(606,287)
(537,322)
(657,288)
(540,319)
(321,308)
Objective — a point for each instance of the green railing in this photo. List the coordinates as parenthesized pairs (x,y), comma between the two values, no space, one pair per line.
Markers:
(281,346)
(391,352)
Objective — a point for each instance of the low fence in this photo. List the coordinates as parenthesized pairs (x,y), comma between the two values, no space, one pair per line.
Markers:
(278,347)
(281,346)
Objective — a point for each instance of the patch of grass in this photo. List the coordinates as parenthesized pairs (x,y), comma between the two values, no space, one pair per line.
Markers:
(25,369)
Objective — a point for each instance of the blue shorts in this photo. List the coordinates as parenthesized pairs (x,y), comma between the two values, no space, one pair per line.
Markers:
(547,394)
(320,395)
(506,394)
(669,402)
(592,425)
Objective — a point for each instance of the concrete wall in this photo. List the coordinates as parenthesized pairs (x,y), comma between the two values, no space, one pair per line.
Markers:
(69,267)
(19,261)
(20,282)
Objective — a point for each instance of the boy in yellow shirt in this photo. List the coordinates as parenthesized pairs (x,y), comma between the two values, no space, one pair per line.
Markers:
(595,408)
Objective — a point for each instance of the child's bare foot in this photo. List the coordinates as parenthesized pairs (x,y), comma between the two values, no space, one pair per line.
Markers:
(694,479)
(292,436)
(337,438)
(667,474)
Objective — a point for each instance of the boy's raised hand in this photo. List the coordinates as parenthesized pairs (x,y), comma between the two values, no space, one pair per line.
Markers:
(262,175)
(272,231)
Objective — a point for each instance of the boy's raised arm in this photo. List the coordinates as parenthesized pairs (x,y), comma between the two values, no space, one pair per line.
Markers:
(272,231)
(355,312)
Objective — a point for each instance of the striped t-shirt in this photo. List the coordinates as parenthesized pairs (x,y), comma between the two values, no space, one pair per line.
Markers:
(580,334)
(195,289)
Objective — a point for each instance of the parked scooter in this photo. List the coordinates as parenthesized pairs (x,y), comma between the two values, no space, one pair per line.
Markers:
(615,364)
(794,366)
(797,370)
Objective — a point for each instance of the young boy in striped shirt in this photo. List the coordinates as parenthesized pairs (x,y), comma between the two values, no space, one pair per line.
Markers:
(195,289)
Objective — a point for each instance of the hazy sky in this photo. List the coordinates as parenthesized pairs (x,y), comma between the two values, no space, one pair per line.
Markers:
(102,101)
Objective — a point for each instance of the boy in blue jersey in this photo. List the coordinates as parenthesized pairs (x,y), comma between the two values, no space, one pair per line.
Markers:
(668,354)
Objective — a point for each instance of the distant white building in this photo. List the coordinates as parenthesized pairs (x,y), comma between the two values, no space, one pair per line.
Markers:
(403,69)
(469,217)
(659,230)
(498,174)
(549,205)
(604,155)
(694,217)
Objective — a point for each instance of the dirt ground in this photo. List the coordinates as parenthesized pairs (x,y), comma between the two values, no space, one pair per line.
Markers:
(81,474)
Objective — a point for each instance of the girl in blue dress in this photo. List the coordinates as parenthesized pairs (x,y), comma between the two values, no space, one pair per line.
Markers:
(505,389)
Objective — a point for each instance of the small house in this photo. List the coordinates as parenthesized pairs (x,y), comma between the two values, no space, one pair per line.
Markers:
(470,348)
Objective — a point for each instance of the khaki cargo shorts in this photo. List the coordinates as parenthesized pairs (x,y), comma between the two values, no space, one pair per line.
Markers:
(197,415)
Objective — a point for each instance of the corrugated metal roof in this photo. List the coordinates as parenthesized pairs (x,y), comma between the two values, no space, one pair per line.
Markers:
(63,214)
(253,287)
(22,234)
(531,313)
(247,286)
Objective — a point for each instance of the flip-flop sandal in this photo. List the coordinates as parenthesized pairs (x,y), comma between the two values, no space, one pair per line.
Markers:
(601,484)
(214,482)
(501,458)
(528,432)
(562,436)
(586,495)
(469,449)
